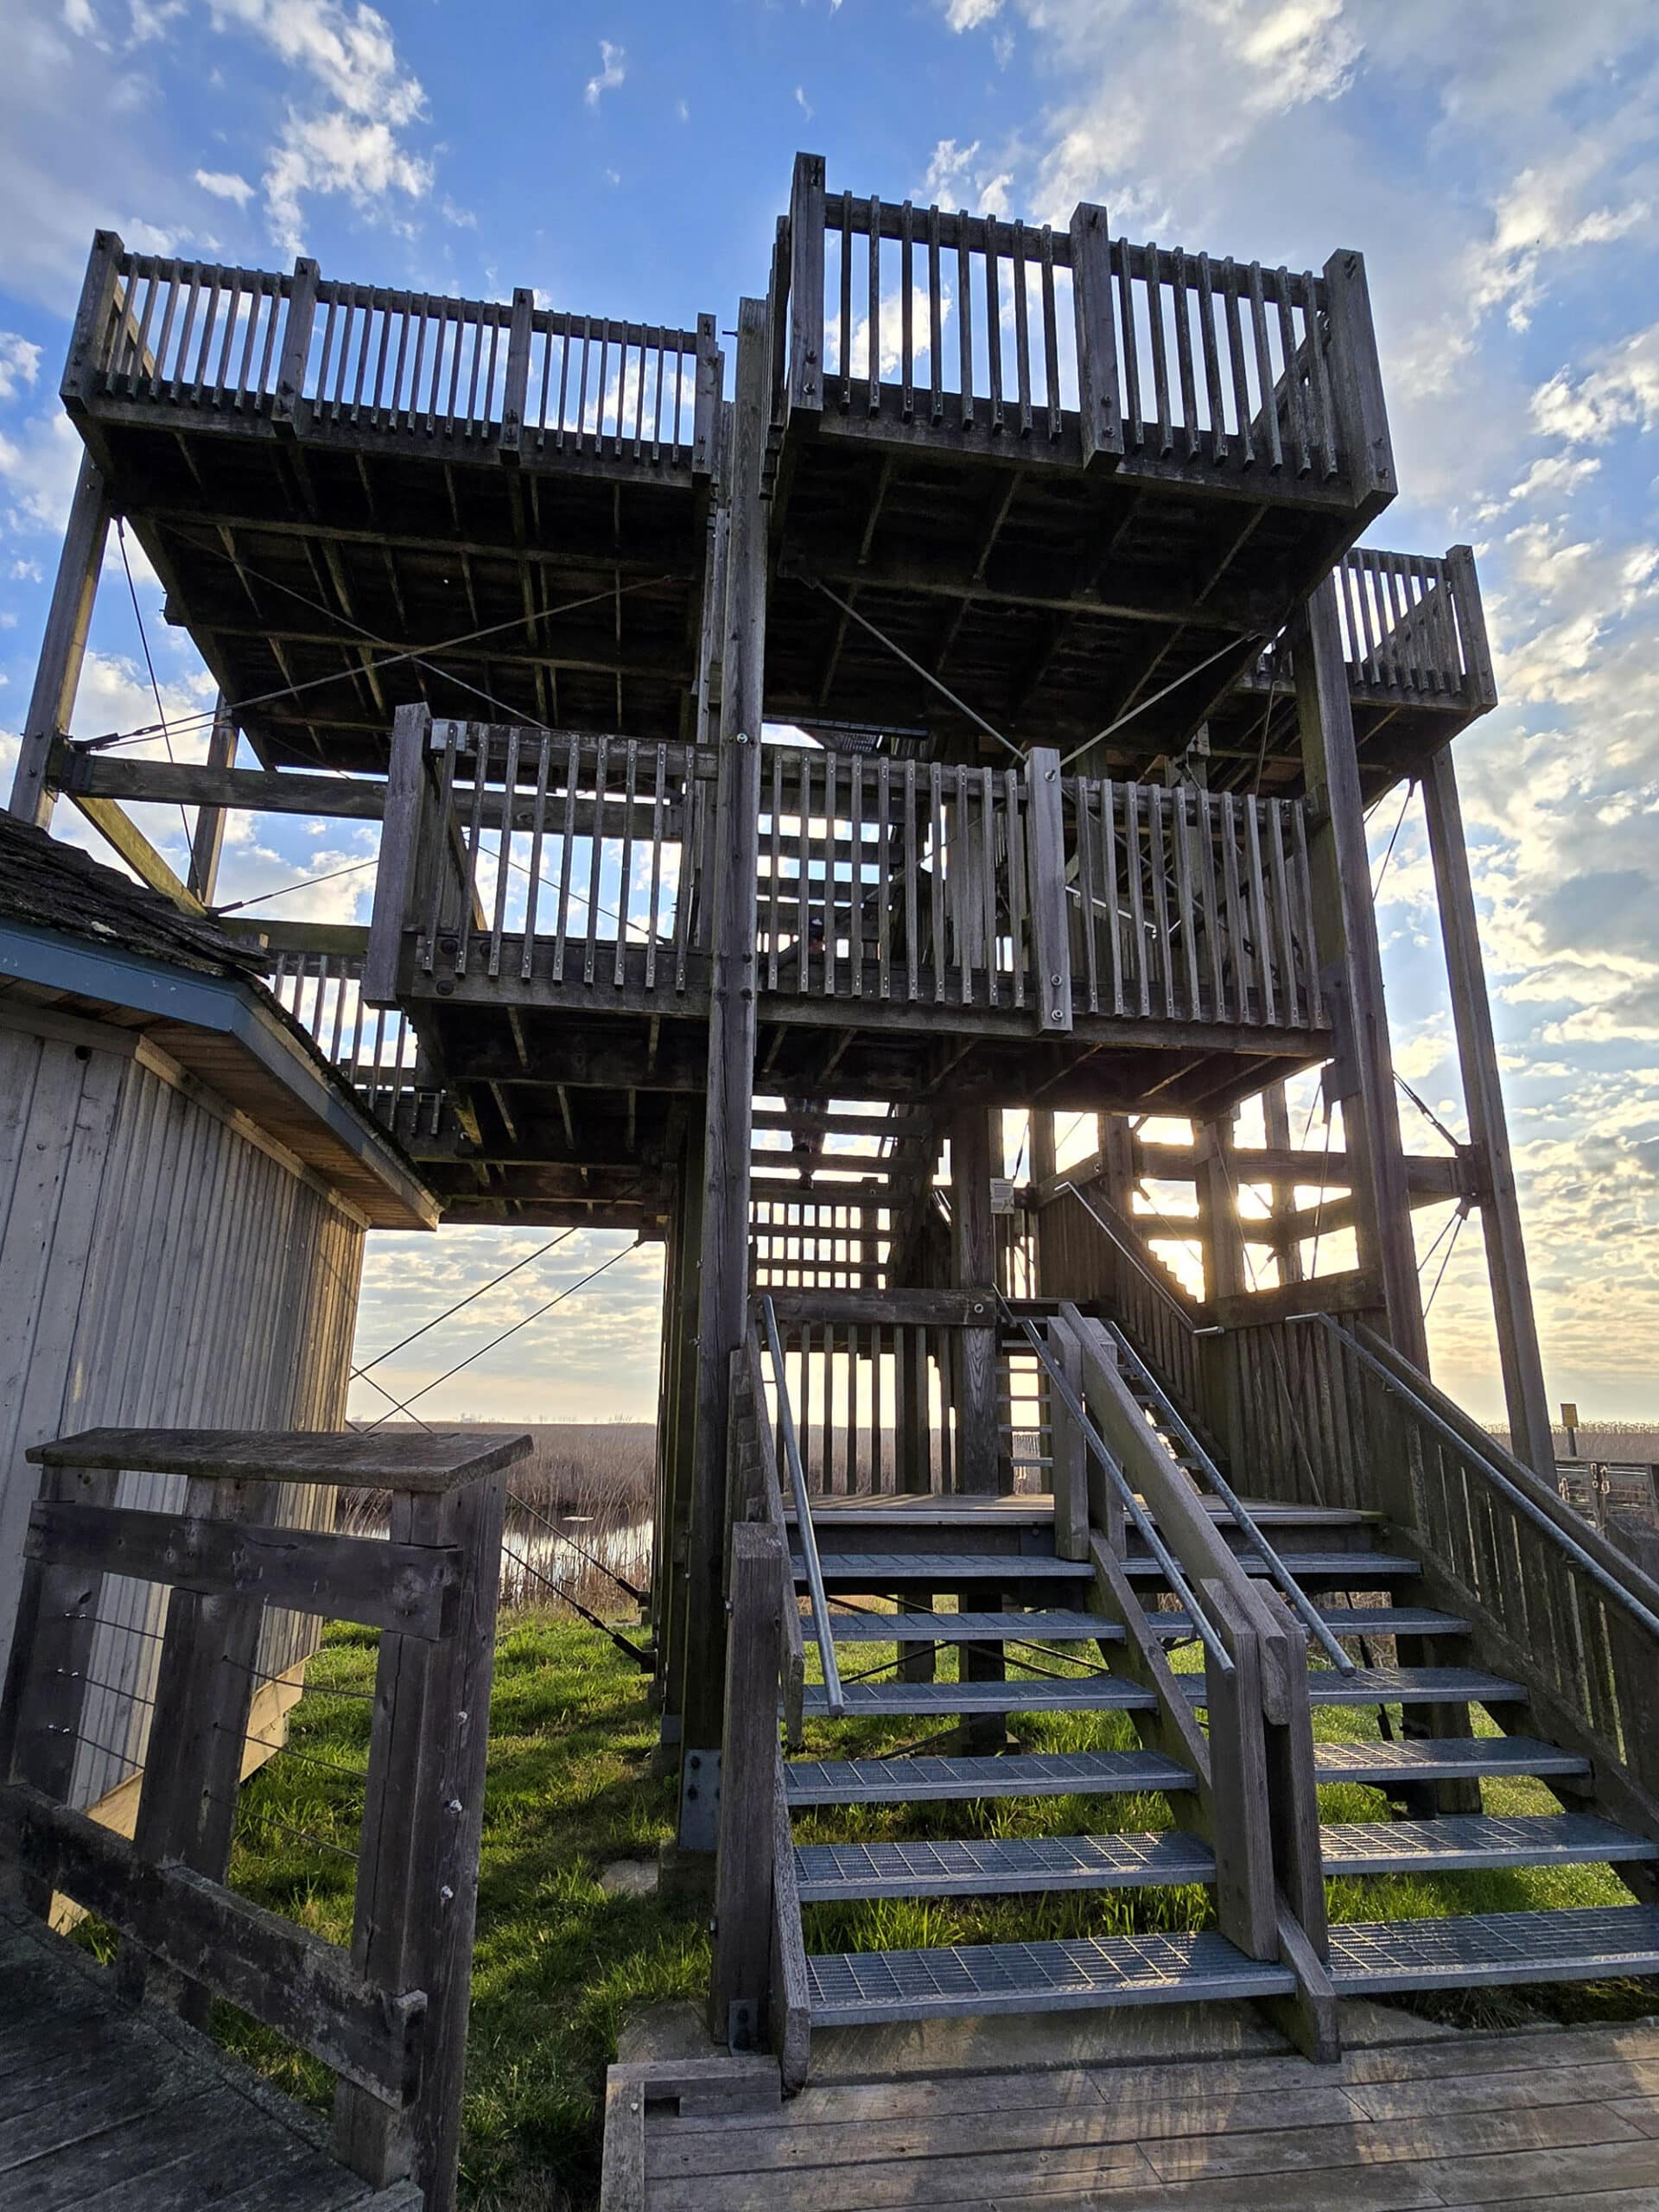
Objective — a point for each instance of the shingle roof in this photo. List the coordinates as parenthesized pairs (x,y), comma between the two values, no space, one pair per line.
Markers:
(53,886)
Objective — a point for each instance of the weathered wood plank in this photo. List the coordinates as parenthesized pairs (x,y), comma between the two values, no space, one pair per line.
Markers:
(425,1460)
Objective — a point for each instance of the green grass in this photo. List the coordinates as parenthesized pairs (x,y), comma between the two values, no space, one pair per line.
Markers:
(558,1963)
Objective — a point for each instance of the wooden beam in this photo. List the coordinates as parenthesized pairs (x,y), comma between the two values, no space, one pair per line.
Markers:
(976,1148)
(1519,1357)
(207,840)
(119,829)
(724,1302)
(63,648)
(1351,968)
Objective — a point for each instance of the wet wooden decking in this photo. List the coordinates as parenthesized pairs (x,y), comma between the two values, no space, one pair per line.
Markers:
(1567,2118)
(130,2112)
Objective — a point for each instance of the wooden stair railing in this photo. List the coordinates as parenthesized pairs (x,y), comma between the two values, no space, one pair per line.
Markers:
(1552,1603)
(1256,1801)
(390,2017)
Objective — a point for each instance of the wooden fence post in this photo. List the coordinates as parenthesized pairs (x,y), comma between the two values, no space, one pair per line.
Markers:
(398,873)
(743,1877)
(805,389)
(1367,450)
(517,383)
(1100,414)
(296,345)
(90,335)
(1051,932)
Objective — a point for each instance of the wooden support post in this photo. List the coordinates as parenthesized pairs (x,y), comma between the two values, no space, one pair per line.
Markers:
(1366,449)
(296,345)
(518,385)
(397,875)
(743,1877)
(1288,1250)
(706,417)
(680,1294)
(1480,685)
(1351,971)
(1051,928)
(1099,405)
(63,648)
(722,1314)
(976,1149)
(208,840)
(805,393)
(1530,1436)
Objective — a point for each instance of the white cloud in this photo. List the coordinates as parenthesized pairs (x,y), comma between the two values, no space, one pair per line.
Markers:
(226,184)
(968,15)
(1621,393)
(38,469)
(803,103)
(20,363)
(613,69)
(78,18)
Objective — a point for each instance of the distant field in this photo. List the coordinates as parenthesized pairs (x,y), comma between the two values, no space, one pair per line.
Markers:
(1607,1440)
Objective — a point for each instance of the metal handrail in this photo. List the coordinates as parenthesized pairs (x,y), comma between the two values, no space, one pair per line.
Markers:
(1177,1579)
(1287,1585)
(826,1641)
(1607,1582)
(1138,1261)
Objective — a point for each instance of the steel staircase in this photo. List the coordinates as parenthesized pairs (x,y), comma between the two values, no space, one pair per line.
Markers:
(1006,1627)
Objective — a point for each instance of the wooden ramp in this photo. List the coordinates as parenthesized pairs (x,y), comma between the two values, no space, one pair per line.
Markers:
(1567,2118)
(103,2106)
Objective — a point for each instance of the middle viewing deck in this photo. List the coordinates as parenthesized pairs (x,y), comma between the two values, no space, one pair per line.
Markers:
(905,906)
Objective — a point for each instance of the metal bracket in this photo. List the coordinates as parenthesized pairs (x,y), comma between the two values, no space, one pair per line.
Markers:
(700,1801)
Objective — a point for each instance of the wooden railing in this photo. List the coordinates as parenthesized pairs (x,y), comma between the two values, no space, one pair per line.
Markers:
(373,1048)
(1412,626)
(389,2018)
(563,862)
(313,353)
(1554,1603)
(971,328)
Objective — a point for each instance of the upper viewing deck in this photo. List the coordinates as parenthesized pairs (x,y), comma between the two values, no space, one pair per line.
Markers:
(1085,489)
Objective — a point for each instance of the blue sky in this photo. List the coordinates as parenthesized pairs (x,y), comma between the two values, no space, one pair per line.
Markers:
(1497,163)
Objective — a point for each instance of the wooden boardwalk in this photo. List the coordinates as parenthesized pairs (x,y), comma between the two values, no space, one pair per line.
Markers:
(1567,2118)
(101,2106)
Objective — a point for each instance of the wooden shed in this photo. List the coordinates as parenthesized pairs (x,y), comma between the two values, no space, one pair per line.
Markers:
(185,1184)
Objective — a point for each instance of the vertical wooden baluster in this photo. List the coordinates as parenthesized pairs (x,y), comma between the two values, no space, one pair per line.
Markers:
(174,289)
(504,857)
(474,331)
(1156,804)
(1325,413)
(443,816)
(1292,1010)
(1264,369)
(774,867)
(803,882)
(538,830)
(1109,874)
(993,323)
(265,387)
(596,857)
(639,396)
(139,381)
(566,859)
(959,885)
(624,888)
(658,799)
(1134,429)
(855,884)
(935,321)
(1050,338)
(685,881)
(987,877)
(457,328)
(398,304)
(474,842)
(1021,330)
(1087,895)
(831,799)
(1296,405)
(912,865)
(1355,655)
(1137,897)
(339,1014)
(965,320)
(1180,806)
(190,282)
(1237,363)
(874,395)
(206,380)
(1261,928)
(564,378)
(1239,934)
(254,301)
(936,824)
(657,398)
(1314,1007)
(1211,905)
(1018,907)
(845,341)
(437,312)
(1215,398)
(1183,310)
(906,314)
(884,878)
(414,318)
(1152,265)
(581,424)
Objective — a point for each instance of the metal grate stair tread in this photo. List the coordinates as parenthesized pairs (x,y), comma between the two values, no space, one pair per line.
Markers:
(1590,1943)
(916,1781)
(997,1866)
(877,1571)
(1396,1686)
(849,1987)
(1027,1694)
(1338,1569)
(1351,1620)
(1441,1758)
(967,1628)
(1468,1841)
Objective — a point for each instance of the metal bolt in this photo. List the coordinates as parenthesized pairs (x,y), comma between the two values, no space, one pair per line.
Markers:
(1054,981)
(446,1893)
(1049,775)
(454,1805)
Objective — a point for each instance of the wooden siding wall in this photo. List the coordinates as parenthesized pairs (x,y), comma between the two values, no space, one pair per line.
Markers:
(163,1264)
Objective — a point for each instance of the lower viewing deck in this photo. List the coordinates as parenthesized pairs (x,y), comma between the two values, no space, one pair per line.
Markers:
(1423,2117)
